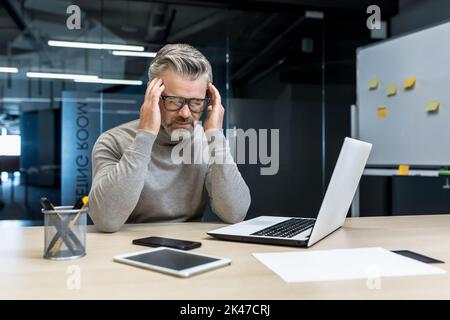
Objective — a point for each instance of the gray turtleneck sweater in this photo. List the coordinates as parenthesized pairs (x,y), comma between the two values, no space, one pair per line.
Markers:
(135,180)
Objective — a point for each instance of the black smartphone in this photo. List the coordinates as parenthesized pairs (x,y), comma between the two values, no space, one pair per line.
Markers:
(167,242)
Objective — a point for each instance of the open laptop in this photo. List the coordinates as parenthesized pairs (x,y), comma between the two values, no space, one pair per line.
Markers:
(304,232)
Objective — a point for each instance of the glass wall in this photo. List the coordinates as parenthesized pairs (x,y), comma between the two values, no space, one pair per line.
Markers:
(80,68)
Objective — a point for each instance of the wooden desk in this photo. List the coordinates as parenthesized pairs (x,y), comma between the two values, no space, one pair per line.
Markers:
(25,274)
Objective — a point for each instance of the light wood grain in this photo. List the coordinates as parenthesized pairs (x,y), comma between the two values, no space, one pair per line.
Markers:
(25,274)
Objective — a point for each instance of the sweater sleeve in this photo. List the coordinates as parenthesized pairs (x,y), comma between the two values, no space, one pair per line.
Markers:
(117,179)
(228,193)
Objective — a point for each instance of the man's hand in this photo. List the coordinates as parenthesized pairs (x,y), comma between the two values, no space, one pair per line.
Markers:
(214,118)
(150,118)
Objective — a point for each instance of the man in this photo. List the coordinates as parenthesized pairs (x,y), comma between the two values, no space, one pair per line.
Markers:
(134,176)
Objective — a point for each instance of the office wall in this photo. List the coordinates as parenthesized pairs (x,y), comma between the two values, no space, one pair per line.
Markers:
(295,109)
(296,188)
(415,14)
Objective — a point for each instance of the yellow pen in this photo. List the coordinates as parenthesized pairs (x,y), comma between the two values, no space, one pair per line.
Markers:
(58,244)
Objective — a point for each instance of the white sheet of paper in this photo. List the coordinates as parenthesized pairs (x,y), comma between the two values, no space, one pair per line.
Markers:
(343,264)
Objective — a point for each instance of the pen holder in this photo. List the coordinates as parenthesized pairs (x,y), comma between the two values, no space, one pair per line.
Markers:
(65,233)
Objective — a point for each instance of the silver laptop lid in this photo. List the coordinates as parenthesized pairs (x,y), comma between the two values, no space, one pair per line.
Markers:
(341,189)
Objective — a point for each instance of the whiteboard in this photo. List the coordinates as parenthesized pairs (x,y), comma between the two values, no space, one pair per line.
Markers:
(408,134)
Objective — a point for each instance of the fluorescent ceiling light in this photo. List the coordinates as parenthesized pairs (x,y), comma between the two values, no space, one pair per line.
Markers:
(111,81)
(9,70)
(92,45)
(68,76)
(134,54)
(19,99)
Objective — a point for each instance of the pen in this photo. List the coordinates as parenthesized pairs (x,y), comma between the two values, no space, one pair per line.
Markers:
(47,205)
(84,200)
(79,204)
(58,244)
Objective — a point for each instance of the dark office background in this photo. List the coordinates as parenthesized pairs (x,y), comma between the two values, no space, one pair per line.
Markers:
(287,65)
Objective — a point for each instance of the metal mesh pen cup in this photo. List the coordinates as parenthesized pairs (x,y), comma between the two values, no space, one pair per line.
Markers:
(65,233)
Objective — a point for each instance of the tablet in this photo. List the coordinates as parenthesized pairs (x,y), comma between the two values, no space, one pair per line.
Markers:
(173,261)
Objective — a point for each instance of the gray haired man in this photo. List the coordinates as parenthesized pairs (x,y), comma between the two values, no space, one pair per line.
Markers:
(134,176)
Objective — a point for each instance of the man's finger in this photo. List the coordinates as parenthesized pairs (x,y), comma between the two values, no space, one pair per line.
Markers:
(157,93)
(211,91)
(156,84)
(215,95)
(153,83)
(147,90)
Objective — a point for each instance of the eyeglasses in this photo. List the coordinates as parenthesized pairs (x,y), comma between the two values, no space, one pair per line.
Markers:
(173,103)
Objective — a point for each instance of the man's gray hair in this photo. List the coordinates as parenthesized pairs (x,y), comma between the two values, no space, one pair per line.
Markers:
(183,59)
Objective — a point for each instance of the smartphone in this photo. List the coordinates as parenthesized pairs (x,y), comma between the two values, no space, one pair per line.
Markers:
(167,242)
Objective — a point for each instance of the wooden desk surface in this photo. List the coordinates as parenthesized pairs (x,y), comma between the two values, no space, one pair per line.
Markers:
(25,274)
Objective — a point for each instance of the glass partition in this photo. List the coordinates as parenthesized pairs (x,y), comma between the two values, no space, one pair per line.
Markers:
(80,68)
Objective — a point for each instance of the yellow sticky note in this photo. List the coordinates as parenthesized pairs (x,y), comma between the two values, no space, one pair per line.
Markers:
(373,84)
(392,90)
(433,106)
(410,83)
(403,170)
(382,112)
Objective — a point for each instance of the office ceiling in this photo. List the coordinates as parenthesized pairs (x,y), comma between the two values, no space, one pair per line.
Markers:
(26,25)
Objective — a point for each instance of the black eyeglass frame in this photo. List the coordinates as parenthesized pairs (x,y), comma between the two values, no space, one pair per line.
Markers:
(187,101)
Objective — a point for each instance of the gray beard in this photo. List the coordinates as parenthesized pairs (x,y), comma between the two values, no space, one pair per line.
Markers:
(170,131)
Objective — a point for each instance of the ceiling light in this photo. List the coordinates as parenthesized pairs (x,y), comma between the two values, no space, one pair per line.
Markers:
(68,76)
(111,81)
(9,69)
(92,45)
(20,99)
(134,54)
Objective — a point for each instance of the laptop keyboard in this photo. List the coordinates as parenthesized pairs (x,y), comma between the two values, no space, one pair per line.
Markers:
(286,229)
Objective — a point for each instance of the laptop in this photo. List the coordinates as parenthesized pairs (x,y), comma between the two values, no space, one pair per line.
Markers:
(304,232)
